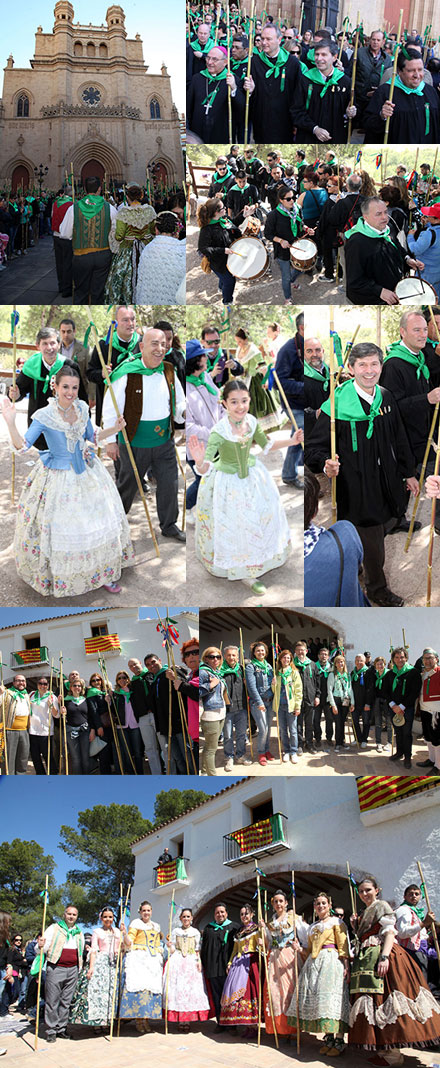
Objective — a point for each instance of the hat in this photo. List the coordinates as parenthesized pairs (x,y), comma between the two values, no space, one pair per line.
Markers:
(399,719)
(194,348)
(433,210)
(430,652)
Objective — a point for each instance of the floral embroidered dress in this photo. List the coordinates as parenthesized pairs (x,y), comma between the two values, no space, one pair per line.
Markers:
(130,233)
(92,999)
(323,997)
(239,1004)
(397,1010)
(72,534)
(241,526)
(142,985)
(187,997)
(263,404)
(281,971)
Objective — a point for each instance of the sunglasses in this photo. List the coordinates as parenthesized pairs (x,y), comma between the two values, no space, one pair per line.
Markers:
(214,656)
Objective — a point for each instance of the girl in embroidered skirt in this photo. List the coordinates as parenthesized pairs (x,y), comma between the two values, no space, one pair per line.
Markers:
(72,534)
(142,985)
(238,505)
(93,997)
(323,996)
(392,1006)
(282,944)
(184,994)
(239,1004)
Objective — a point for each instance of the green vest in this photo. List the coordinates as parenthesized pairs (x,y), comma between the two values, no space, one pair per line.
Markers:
(90,235)
(234,458)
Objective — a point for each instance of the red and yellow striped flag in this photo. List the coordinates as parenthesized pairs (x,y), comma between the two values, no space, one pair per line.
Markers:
(103,642)
(377,790)
(253,837)
(166,872)
(28,656)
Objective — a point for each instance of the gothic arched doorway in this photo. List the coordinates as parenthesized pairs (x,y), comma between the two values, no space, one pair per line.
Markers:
(160,174)
(92,169)
(20,178)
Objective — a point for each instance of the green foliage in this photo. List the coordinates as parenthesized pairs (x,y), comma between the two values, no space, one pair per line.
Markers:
(254,318)
(170,803)
(317,324)
(23,870)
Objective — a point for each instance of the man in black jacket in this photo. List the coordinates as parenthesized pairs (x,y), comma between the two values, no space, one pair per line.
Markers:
(323,667)
(215,951)
(158,699)
(403,685)
(311,697)
(372,61)
(375,262)
(139,690)
(125,344)
(290,370)
(236,712)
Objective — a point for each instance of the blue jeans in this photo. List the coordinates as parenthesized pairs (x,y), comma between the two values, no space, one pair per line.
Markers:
(288,275)
(288,727)
(193,489)
(237,719)
(263,721)
(178,752)
(226,285)
(295,453)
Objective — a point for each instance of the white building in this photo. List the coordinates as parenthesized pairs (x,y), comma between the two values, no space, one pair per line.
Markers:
(322,827)
(69,634)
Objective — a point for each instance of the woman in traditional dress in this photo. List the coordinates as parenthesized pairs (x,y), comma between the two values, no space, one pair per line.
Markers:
(254,359)
(238,504)
(392,1006)
(129,235)
(282,944)
(288,695)
(71,535)
(184,996)
(323,993)
(142,985)
(239,1003)
(93,997)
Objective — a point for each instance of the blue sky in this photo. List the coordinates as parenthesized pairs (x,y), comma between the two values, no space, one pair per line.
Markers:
(9,617)
(36,809)
(161,27)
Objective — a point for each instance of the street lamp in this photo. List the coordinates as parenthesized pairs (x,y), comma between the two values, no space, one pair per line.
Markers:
(40,174)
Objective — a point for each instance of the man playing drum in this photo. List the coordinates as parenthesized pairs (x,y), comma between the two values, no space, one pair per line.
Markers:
(284,227)
(375,262)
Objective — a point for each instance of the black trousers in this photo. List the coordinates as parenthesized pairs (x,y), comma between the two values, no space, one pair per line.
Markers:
(63,263)
(39,753)
(217,983)
(361,732)
(90,275)
(305,724)
(404,734)
(340,720)
(373,541)
(329,717)
(162,462)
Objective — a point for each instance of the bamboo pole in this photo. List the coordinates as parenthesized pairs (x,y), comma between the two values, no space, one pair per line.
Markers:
(127,443)
(40,964)
(216,24)
(50,700)
(246,692)
(353,76)
(118,721)
(228,44)
(73,205)
(284,398)
(431,529)
(379,326)
(298,1035)
(261,928)
(393,77)
(344,30)
(352,897)
(421,478)
(414,178)
(426,896)
(168,962)
(5,743)
(332,410)
(14,380)
(431,176)
(64,728)
(118,959)
(347,353)
(112,724)
(251,49)
(405,646)
(276,703)
(183,716)
(182,472)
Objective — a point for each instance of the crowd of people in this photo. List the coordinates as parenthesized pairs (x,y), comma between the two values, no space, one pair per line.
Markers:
(109,246)
(372,980)
(234,500)
(95,727)
(265,81)
(377,462)
(63,546)
(324,220)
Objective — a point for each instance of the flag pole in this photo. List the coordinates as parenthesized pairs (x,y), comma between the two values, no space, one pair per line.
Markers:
(118,960)
(298,1036)
(332,410)
(393,77)
(167,985)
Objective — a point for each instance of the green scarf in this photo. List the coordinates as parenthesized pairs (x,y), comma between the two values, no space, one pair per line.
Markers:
(76,700)
(311,372)
(420,910)
(302,664)
(407,90)
(91,205)
(197,47)
(263,665)
(348,407)
(364,228)
(379,679)
(287,676)
(399,350)
(236,188)
(216,177)
(216,78)
(277,66)
(124,350)
(311,55)
(134,367)
(342,675)
(398,672)
(69,930)
(63,200)
(32,368)
(221,927)
(125,693)
(94,692)
(201,380)
(141,674)
(210,670)
(324,668)
(224,223)
(17,693)
(226,669)
(37,700)
(314,75)
(355,675)
(293,221)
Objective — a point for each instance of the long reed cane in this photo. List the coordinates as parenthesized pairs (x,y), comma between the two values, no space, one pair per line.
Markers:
(350,884)
(167,982)
(40,964)
(353,77)
(427,450)
(276,701)
(347,353)
(298,1035)
(5,741)
(112,724)
(118,961)
(228,45)
(286,403)
(263,939)
(426,895)
(431,177)
(64,727)
(14,379)
(183,717)
(332,410)
(246,692)
(431,528)
(248,74)
(50,703)
(117,717)
(393,78)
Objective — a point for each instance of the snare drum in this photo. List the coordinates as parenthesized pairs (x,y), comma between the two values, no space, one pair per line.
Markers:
(303,254)
(251,259)
(252,227)
(415,290)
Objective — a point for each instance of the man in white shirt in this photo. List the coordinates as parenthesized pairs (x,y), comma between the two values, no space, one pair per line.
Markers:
(15,712)
(63,944)
(412,919)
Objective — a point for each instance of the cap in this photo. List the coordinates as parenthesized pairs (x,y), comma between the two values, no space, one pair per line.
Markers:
(194,348)
(433,210)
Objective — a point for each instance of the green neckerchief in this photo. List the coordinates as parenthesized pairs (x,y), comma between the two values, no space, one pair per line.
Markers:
(224,223)
(124,350)
(403,353)
(236,188)
(324,668)
(76,700)
(226,669)
(263,665)
(220,927)
(355,675)
(201,380)
(287,676)
(419,910)
(216,78)
(197,47)
(364,228)
(91,205)
(141,674)
(69,930)
(432,343)
(249,161)
(302,664)
(236,63)
(342,675)
(398,672)
(380,678)
(63,200)
(216,177)
(124,693)
(348,407)
(37,700)
(277,66)
(17,693)
(405,88)
(314,75)
(134,367)
(311,372)
(210,670)
(32,369)
(293,221)
(94,692)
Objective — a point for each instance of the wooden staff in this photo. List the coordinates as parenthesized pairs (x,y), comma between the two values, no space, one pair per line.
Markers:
(352,897)
(63,717)
(431,176)
(263,939)
(405,646)
(431,529)
(217,22)
(169,960)
(118,959)
(117,718)
(50,716)
(301,15)
(422,474)
(182,472)
(40,964)
(344,30)
(298,1035)
(246,692)
(379,326)
(393,77)
(228,43)
(127,443)
(112,724)
(332,410)
(14,379)
(250,53)
(274,660)
(353,76)
(347,353)
(414,178)
(426,896)
(286,403)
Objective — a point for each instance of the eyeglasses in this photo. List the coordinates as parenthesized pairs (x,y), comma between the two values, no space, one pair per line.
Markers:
(214,656)
(288,198)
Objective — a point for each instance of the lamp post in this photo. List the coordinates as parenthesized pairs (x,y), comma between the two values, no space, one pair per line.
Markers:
(40,174)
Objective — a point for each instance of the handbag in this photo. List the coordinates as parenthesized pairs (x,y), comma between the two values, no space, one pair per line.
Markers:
(96,746)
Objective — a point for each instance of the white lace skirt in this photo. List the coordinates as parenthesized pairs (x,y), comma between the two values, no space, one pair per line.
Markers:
(241,527)
(72,534)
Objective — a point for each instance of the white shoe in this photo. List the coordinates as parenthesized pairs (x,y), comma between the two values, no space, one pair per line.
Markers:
(364,745)
(229,764)
(380,748)
(286,758)
(2,1052)
(387,748)
(293,758)
(190,518)
(299,751)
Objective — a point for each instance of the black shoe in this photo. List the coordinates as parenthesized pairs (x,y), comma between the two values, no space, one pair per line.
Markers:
(51,1038)
(329,741)
(396,756)
(218,1029)
(426,764)
(407,763)
(403,527)
(385,598)
(310,749)
(178,535)
(297,482)
(63,1034)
